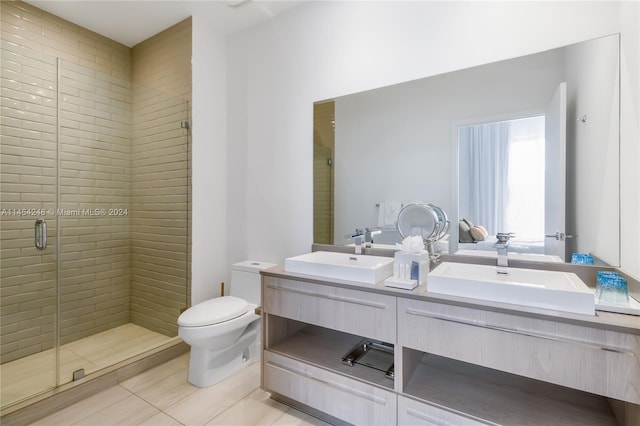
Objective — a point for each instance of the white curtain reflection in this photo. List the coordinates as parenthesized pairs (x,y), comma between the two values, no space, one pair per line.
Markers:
(501,176)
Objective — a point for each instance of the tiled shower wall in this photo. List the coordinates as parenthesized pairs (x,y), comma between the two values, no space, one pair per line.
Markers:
(95,160)
(160,163)
(323,148)
(92,170)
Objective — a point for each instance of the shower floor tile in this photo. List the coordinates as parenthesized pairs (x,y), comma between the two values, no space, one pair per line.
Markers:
(26,376)
(111,346)
(33,374)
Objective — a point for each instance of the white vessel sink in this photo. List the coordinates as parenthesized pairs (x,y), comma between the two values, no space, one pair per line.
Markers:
(560,291)
(535,257)
(344,266)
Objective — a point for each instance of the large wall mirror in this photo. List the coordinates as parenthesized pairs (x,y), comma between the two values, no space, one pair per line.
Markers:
(528,145)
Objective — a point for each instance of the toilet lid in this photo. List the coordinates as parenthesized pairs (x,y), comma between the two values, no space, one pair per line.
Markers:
(213,311)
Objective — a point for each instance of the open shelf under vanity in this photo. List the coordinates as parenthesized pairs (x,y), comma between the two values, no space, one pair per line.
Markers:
(489,396)
(326,348)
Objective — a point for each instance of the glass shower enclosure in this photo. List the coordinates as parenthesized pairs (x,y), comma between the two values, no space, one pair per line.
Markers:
(94,195)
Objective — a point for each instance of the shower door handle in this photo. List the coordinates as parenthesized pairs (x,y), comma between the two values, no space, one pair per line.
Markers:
(41,234)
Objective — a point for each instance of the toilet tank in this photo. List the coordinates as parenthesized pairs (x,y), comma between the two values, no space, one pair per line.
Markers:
(246,280)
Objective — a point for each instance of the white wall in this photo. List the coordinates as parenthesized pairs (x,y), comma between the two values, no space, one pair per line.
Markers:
(630,138)
(594,147)
(323,50)
(209,162)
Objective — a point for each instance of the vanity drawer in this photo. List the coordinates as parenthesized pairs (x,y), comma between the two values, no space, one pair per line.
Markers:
(594,360)
(356,312)
(339,396)
(411,412)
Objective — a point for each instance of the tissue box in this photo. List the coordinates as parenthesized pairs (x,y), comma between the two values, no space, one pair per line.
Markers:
(400,283)
(422,259)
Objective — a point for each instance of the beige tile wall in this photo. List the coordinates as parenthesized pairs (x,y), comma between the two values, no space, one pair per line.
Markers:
(323,148)
(99,167)
(30,27)
(95,190)
(162,94)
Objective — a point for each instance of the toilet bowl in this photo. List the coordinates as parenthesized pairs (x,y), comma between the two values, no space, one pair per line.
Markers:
(224,333)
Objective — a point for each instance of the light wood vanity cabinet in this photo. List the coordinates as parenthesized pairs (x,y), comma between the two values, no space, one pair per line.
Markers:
(594,360)
(455,364)
(418,413)
(351,400)
(307,328)
(351,311)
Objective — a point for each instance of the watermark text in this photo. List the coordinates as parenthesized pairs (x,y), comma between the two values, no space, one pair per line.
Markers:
(85,212)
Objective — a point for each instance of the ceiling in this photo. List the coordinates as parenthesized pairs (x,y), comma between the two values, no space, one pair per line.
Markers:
(130,22)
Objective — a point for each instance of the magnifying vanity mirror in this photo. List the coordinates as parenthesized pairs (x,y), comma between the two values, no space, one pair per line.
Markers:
(528,145)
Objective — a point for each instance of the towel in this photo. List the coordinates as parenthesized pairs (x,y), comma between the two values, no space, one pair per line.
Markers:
(388,213)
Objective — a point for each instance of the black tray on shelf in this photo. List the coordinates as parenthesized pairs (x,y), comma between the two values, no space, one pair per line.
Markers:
(372,354)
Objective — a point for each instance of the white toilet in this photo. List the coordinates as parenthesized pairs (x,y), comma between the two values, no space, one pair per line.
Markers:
(224,333)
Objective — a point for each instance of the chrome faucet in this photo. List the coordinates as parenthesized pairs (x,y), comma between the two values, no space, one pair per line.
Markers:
(368,236)
(503,252)
(358,238)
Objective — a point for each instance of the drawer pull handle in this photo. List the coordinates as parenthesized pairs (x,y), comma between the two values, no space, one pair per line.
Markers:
(340,386)
(591,345)
(439,422)
(426,417)
(331,297)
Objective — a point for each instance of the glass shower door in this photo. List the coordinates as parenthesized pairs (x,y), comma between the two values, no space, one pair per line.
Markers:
(28,223)
(94,193)
(94,196)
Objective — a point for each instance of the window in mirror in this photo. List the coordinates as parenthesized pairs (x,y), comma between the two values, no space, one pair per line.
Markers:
(501,178)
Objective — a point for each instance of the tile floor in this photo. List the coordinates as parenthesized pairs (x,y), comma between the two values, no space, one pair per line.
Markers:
(36,373)
(162,396)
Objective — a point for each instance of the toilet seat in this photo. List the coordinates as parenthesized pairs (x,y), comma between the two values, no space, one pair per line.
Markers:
(213,311)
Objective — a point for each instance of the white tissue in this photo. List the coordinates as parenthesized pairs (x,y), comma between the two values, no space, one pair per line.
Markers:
(412,245)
